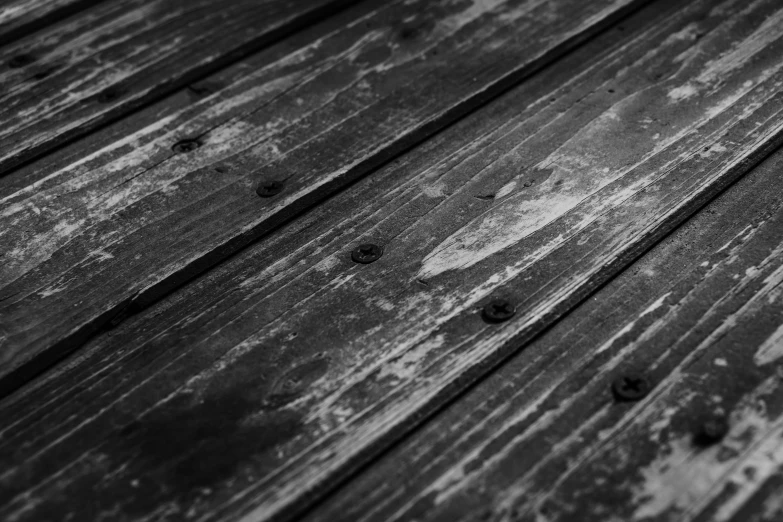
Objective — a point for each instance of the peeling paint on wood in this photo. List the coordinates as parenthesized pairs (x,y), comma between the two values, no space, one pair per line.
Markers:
(252,391)
(772,349)
(21,17)
(294,119)
(84,71)
(542,440)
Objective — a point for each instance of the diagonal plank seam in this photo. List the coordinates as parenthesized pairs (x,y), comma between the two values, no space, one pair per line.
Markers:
(655,233)
(682,288)
(671,209)
(161,91)
(143,298)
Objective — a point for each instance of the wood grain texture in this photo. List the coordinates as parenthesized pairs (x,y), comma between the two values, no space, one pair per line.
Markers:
(251,392)
(20,17)
(542,439)
(123,225)
(76,75)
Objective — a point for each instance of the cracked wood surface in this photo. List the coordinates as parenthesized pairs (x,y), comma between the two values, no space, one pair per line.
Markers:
(542,438)
(251,392)
(119,227)
(73,76)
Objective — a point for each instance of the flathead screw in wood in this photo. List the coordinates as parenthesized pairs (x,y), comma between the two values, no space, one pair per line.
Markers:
(21,60)
(184,146)
(498,310)
(630,387)
(712,430)
(366,253)
(267,189)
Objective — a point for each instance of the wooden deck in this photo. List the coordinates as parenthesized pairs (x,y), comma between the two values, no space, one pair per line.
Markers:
(411,260)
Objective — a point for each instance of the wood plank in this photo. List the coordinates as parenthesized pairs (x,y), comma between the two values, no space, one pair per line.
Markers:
(251,392)
(542,438)
(20,17)
(765,505)
(95,238)
(76,75)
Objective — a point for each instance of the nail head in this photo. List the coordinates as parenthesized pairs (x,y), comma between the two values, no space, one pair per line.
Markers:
(712,430)
(204,88)
(184,146)
(267,189)
(110,94)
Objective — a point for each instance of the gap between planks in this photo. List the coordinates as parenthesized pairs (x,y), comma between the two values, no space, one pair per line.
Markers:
(52,269)
(77,75)
(221,354)
(542,438)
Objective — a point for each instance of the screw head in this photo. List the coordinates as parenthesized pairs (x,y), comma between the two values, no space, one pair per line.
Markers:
(712,430)
(498,310)
(366,253)
(110,94)
(204,88)
(267,189)
(21,60)
(630,387)
(184,146)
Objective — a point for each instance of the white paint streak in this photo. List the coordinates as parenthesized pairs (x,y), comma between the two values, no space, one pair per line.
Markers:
(654,306)
(684,478)
(408,365)
(730,241)
(763,37)
(506,189)
(628,327)
(594,158)
(683,92)
(434,190)
(771,350)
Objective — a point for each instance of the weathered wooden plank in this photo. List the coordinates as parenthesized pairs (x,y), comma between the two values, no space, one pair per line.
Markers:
(250,392)
(76,75)
(543,439)
(20,17)
(122,226)
(766,504)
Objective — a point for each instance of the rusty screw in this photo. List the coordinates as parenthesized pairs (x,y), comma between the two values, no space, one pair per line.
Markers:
(184,146)
(267,189)
(498,310)
(712,430)
(630,388)
(366,253)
